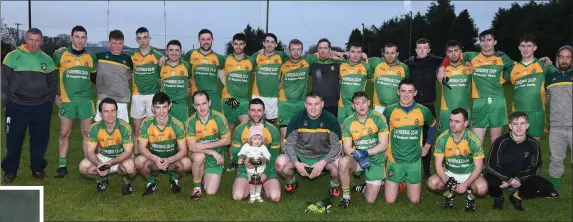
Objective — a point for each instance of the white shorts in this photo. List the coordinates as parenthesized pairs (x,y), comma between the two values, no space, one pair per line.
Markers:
(121,112)
(460,178)
(141,106)
(271,106)
(379,109)
(103,158)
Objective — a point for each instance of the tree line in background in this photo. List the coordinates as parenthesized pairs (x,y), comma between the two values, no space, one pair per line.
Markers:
(550,22)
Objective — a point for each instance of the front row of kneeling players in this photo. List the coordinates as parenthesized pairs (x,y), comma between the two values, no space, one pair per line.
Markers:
(386,147)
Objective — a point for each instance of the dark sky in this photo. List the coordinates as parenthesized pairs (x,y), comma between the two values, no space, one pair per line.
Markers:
(305,20)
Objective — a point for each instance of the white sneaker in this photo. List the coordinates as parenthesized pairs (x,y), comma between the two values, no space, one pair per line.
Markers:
(259,199)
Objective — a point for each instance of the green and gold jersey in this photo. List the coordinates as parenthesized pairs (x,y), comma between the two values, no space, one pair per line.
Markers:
(239,73)
(294,77)
(205,74)
(488,74)
(267,73)
(271,138)
(458,96)
(75,70)
(111,144)
(459,156)
(364,135)
(529,85)
(353,79)
(174,81)
(162,142)
(405,144)
(145,80)
(214,129)
(386,79)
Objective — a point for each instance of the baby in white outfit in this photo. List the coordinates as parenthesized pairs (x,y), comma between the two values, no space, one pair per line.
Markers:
(252,150)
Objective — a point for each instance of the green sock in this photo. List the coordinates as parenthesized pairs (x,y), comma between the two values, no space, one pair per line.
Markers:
(150,179)
(99,179)
(62,161)
(127,179)
(173,175)
(137,154)
(346,192)
(471,195)
(334,185)
(556,181)
(197,183)
(448,194)
(291,181)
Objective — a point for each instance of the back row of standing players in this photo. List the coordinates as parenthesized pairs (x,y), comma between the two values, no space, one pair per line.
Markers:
(280,81)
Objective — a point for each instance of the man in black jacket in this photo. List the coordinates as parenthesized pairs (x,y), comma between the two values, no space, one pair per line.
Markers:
(423,73)
(325,77)
(513,162)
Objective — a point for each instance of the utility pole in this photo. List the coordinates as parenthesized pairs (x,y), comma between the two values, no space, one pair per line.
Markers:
(29,14)
(267,28)
(363,34)
(410,42)
(18,32)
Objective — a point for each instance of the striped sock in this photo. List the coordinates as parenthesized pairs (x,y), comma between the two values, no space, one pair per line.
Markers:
(62,161)
(99,179)
(197,184)
(346,192)
(173,175)
(150,180)
(334,185)
(471,195)
(292,181)
(448,194)
(127,179)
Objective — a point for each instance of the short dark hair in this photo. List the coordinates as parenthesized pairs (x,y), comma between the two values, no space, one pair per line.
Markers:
(313,94)
(406,82)
(141,30)
(174,42)
(116,35)
(528,38)
(517,115)
(240,37)
(486,32)
(324,40)
(107,100)
(460,111)
(160,98)
(355,44)
(79,28)
(295,42)
(201,92)
(270,35)
(453,43)
(256,101)
(390,45)
(34,31)
(360,94)
(203,31)
(423,41)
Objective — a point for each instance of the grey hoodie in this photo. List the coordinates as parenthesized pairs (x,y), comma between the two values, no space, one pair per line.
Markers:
(559,87)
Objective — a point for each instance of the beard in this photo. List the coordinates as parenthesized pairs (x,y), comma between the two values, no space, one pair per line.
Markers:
(206,49)
(564,66)
(253,120)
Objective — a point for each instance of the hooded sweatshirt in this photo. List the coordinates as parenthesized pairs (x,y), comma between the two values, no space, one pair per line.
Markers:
(559,86)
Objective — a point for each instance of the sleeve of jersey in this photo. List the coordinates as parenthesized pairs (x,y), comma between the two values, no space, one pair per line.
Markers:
(223,126)
(187,57)
(253,59)
(179,130)
(221,59)
(475,146)
(508,65)
(382,125)
(387,113)
(188,68)
(346,130)
(441,144)
(274,151)
(468,56)
(284,56)
(94,60)
(57,56)
(143,135)
(92,135)
(236,137)
(407,71)
(310,58)
(547,69)
(190,126)
(369,71)
(126,134)
(429,119)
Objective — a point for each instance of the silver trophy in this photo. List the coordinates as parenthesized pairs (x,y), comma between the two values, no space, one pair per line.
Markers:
(257,162)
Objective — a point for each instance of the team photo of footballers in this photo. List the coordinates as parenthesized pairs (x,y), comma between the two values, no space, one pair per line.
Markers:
(333,128)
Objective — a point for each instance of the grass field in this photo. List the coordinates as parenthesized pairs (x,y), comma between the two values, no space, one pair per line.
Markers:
(74,198)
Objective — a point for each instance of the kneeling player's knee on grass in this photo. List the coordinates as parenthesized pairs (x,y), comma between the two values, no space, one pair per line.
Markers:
(128,166)
(140,162)
(281,163)
(370,199)
(433,184)
(186,164)
(415,201)
(198,158)
(85,166)
(481,189)
(275,197)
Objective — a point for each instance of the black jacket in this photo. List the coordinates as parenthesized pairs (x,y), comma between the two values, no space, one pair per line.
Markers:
(326,80)
(508,159)
(423,74)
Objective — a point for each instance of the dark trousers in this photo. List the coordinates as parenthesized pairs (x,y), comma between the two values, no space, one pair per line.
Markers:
(535,186)
(332,109)
(427,160)
(18,119)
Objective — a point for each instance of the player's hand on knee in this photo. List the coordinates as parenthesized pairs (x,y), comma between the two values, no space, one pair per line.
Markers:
(300,167)
(450,183)
(317,168)
(219,158)
(460,188)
